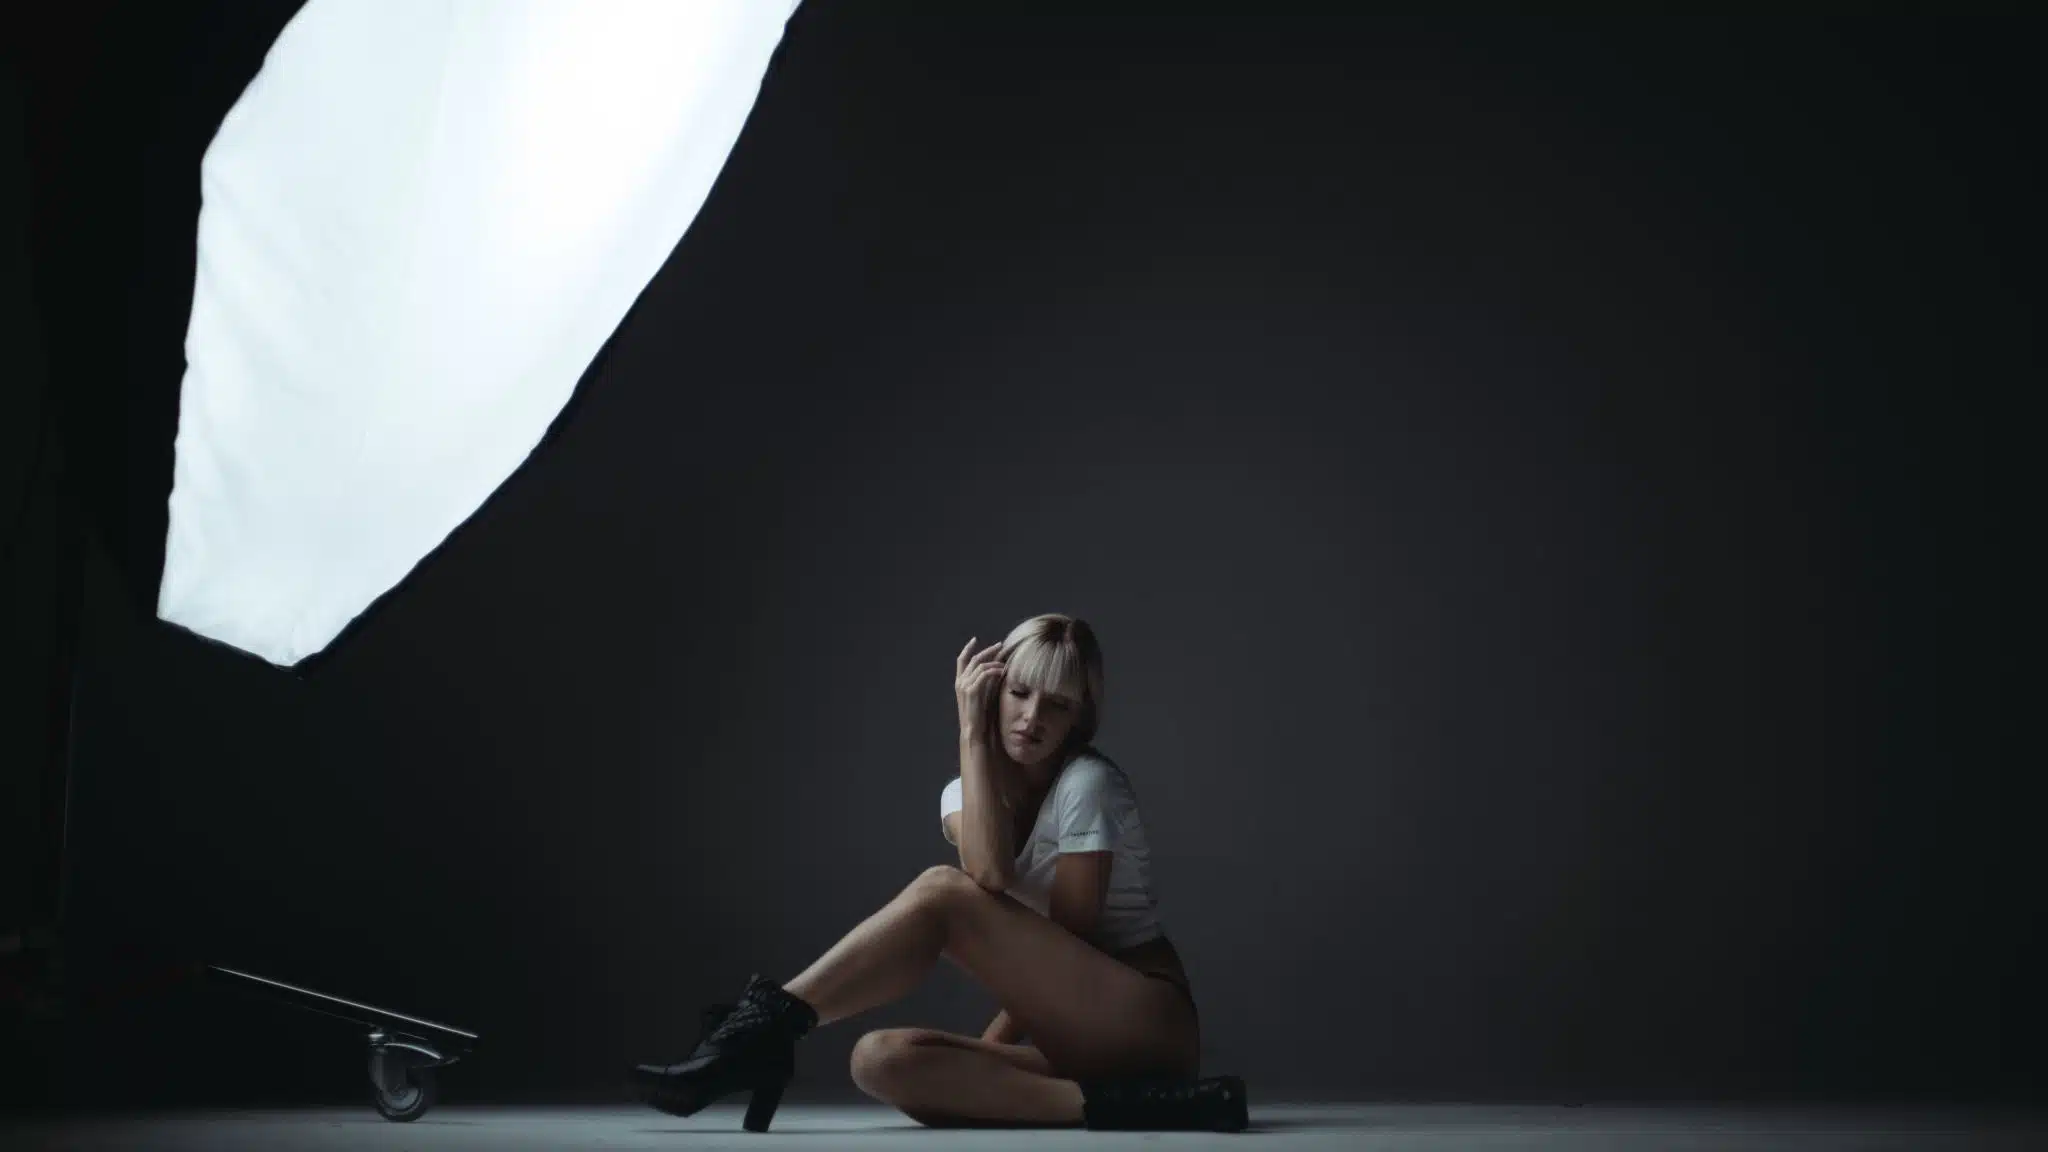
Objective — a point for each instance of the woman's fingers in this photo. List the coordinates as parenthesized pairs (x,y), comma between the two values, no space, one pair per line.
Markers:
(963,662)
(974,676)
(979,679)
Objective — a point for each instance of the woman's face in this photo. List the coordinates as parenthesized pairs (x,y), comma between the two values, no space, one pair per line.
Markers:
(1034,723)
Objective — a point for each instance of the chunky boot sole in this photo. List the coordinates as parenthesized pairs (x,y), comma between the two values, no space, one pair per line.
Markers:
(761,1104)
(761,1107)
(1214,1104)
(689,1097)
(1234,1114)
(750,1047)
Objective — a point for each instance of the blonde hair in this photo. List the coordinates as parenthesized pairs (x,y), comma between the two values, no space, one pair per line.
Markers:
(1056,653)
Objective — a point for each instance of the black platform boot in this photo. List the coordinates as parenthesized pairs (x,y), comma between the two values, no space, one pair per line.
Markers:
(751,1048)
(1216,1104)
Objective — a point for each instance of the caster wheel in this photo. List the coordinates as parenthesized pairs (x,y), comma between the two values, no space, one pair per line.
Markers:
(400,1093)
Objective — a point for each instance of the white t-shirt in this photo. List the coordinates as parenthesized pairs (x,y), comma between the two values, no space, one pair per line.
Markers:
(1091,808)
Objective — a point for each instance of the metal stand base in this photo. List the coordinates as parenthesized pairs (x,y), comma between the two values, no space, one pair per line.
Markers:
(404,1050)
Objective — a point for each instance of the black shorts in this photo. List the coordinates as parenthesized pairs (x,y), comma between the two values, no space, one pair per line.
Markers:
(1186,993)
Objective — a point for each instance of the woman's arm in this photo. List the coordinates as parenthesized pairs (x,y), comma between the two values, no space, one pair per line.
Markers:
(1086,801)
(985,850)
(1080,885)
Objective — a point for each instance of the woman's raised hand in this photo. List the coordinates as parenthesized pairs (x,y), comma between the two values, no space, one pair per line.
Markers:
(975,677)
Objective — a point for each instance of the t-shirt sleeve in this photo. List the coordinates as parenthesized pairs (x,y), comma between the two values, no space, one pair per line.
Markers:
(949,803)
(1088,802)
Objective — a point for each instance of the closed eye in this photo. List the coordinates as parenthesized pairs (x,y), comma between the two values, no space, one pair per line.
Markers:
(1050,701)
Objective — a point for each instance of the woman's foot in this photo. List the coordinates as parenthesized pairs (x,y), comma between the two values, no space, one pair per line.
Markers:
(751,1048)
(1216,1104)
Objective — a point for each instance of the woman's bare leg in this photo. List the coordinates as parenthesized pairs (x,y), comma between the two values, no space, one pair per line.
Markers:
(945,1080)
(880,961)
(1089,1013)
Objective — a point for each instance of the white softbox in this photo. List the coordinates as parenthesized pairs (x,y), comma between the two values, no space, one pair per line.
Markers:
(419,224)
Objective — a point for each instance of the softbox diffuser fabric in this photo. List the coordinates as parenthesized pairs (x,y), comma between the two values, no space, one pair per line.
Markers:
(419,223)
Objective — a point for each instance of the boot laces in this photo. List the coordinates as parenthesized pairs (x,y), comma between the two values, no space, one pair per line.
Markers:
(711,1017)
(745,1016)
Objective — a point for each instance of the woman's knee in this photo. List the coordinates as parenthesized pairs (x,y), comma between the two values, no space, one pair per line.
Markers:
(879,1059)
(942,883)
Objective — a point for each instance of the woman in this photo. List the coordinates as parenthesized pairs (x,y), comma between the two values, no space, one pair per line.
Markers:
(1050,908)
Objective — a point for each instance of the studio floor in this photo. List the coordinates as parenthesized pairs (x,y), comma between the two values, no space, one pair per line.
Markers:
(1301,1126)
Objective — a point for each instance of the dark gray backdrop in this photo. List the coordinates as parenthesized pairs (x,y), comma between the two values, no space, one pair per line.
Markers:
(1546,485)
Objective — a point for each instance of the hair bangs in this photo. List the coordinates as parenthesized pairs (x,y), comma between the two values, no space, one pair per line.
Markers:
(1049,666)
